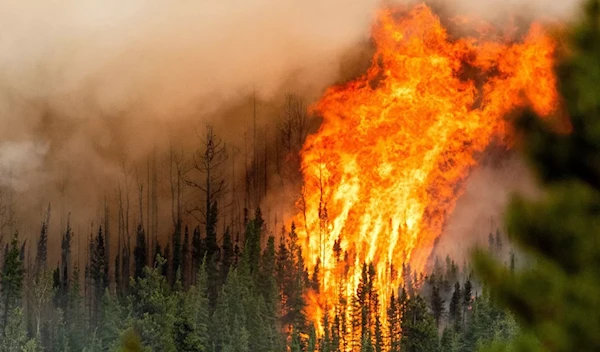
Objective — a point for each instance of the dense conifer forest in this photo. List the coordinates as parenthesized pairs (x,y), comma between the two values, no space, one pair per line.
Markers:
(205,296)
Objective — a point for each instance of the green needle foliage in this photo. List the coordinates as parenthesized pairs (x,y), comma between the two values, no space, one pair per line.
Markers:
(557,299)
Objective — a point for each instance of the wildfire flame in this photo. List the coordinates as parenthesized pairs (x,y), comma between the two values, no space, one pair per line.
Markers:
(384,170)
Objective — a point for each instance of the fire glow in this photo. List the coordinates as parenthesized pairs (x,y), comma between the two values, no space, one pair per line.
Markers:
(385,168)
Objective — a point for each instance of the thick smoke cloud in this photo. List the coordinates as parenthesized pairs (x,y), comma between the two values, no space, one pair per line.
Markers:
(93,78)
(87,86)
(74,75)
(481,208)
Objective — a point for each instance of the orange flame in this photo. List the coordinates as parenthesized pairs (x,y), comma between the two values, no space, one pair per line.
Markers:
(383,171)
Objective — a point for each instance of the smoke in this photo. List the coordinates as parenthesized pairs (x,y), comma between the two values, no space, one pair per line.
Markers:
(88,86)
(105,80)
(20,161)
(481,208)
(500,10)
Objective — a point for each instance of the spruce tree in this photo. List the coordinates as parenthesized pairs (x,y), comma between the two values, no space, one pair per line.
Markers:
(177,252)
(198,252)
(140,252)
(419,333)
(11,281)
(437,305)
(98,272)
(227,259)
(455,309)
(185,258)
(154,308)
(192,319)
(41,258)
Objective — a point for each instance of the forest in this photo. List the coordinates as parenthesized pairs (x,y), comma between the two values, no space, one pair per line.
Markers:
(227,278)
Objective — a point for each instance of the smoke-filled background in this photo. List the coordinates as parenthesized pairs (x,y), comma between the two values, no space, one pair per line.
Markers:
(97,98)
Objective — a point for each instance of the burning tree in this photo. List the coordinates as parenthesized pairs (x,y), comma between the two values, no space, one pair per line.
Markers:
(396,143)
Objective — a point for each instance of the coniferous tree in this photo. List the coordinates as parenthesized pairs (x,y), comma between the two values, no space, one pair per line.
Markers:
(227,259)
(451,340)
(185,258)
(42,245)
(154,308)
(110,322)
(11,281)
(467,299)
(42,293)
(455,309)
(118,274)
(98,272)
(253,239)
(437,305)
(176,263)
(211,230)
(394,317)
(167,261)
(65,263)
(498,243)
(192,319)
(198,251)
(419,333)
(75,315)
(14,337)
(140,252)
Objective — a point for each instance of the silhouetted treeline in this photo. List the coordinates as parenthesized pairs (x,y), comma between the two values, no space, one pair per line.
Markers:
(200,294)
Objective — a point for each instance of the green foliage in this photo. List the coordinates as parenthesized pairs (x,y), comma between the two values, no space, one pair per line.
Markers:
(11,281)
(419,333)
(15,332)
(130,341)
(153,309)
(556,299)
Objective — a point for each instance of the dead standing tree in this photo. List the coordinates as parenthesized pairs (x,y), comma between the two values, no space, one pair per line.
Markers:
(209,161)
(292,129)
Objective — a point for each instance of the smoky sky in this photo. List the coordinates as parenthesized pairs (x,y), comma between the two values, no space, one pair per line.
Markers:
(88,86)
